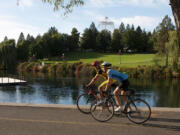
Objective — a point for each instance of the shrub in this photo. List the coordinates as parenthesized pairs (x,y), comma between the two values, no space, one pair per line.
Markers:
(21,66)
(29,67)
(80,69)
(52,68)
(45,68)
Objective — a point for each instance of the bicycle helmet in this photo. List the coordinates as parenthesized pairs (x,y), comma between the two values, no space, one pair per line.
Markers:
(106,64)
(95,63)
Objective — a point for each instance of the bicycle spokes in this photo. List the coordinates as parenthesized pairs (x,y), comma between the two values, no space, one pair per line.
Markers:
(139,111)
(102,112)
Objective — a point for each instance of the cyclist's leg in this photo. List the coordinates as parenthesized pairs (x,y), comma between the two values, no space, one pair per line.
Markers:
(124,88)
(124,97)
(116,95)
(121,89)
(100,88)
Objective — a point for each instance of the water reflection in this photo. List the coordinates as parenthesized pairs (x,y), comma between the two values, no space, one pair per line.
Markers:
(161,93)
(46,89)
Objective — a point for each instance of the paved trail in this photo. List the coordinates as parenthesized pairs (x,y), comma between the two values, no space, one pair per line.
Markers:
(21,120)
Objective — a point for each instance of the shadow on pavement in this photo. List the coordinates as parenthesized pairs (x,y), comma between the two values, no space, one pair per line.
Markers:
(163,125)
(169,127)
(165,120)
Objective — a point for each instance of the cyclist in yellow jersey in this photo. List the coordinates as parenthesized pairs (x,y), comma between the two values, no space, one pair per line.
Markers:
(99,73)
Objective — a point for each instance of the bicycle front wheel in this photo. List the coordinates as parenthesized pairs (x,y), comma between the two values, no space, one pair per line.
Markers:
(138,111)
(84,102)
(102,112)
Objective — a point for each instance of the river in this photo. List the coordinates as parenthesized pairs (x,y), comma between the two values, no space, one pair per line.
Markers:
(44,89)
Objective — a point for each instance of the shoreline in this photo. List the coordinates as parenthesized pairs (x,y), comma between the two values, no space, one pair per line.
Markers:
(63,106)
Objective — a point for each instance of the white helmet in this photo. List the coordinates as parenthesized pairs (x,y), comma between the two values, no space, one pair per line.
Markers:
(106,64)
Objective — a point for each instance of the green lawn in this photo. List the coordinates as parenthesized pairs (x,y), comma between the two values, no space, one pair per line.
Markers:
(128,60)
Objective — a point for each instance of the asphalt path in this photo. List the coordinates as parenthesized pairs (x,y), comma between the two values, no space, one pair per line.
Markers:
(67,120)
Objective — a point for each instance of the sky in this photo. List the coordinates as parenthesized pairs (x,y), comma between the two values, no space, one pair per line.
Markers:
(35,17)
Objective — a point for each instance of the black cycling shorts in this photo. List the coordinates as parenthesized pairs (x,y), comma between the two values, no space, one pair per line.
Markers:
(124,85)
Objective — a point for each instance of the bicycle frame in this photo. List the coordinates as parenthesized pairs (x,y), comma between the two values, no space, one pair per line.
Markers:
(111,97)
(131,109)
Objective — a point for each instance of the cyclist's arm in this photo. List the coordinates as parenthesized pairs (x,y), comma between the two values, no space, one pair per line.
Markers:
(110,80)
(93,80)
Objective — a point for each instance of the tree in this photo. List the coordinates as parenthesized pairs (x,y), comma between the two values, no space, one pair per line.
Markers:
(162,37)
(36,49)
(21,38)
(85,42)
(122,28)
(65,42)
(88,39)
(7,54)
(116,41)
(74,39)
(52,31)
(66,5)
(128,27)
(22,48)
(30,39)
(50,43)
(139,43)
(150,43)
(54,43)
(172,48)
(94,33)
(129,39)
(103,40)
(69,4)
(143,42)
(175,6)
(5,38)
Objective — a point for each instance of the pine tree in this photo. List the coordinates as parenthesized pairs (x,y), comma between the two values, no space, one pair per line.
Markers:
(122,28)
(21,38)
(116,41)
(74,39)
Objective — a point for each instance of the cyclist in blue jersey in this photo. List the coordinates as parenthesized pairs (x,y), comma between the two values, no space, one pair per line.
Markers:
(121,78)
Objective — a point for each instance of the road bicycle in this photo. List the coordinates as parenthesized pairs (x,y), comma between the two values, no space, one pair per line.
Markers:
(137,110)
(85,100)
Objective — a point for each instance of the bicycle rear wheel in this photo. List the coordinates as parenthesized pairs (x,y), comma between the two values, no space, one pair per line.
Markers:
(102,112)
(138,111)
(84,102)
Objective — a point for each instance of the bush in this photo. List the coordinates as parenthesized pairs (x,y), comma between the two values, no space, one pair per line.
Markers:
(21,66)
(62,69)
(45,68)
(80,69)
(29,67)
(52,68)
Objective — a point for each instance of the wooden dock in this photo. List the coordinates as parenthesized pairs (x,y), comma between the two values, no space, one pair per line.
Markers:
(6,81)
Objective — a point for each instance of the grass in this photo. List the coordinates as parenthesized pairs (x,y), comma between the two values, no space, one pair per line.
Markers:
(125,60)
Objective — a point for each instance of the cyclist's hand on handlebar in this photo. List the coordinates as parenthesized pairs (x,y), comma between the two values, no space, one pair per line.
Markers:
(87,86)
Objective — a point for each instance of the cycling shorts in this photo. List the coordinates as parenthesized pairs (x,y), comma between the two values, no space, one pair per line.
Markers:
(124,85)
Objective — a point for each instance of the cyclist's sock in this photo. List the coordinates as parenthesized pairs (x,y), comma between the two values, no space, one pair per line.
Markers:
(118,109)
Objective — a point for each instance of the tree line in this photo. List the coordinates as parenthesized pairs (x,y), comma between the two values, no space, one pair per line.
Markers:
(123,39)
(69,4)
(52,43)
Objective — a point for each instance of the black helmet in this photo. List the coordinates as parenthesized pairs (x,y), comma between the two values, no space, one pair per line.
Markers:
(106,64)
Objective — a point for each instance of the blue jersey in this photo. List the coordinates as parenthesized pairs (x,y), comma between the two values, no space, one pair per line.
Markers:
(113,74)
